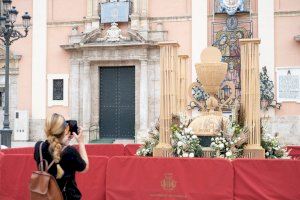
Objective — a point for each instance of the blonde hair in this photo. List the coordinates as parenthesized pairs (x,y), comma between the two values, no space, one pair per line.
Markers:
(55,126)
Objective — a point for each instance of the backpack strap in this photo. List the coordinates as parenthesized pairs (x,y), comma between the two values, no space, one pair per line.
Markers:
(41,164)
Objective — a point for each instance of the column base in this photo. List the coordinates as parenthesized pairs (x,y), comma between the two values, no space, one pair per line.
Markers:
(5,135)
(162,150)
(254,151)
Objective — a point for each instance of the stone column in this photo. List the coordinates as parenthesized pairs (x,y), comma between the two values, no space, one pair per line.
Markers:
(39,66)
(86,98)
(250,98)
(74,89)
(182,83)
(168,64)
(143,100)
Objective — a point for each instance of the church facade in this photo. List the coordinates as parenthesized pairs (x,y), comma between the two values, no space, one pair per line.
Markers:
(98,61)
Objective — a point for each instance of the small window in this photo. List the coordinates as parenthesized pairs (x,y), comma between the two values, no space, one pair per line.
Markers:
(58,89)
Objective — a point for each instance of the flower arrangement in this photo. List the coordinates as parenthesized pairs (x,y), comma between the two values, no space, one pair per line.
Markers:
(221,147)
(147,148)
(230,144)
(184,143)
(273,148)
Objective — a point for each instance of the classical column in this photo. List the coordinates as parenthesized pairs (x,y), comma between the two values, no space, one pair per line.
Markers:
(199,32)
(250,98)
(74,89)
(86,98)
(38,69)
(144,99)
(168,64)
(181,82)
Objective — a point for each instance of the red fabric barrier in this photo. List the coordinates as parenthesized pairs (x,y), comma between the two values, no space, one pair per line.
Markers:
(92,183)
(104,149)
(136,178)
(130,149)
(15,175)
(294,152)
(266,179)
(23,150)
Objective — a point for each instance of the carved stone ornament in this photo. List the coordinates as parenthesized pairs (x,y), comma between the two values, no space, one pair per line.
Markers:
(113,34)
(231,6)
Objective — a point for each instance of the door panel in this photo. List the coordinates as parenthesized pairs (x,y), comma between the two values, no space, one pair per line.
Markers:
(117,102)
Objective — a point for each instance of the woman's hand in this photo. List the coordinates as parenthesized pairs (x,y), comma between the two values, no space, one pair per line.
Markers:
(79,138)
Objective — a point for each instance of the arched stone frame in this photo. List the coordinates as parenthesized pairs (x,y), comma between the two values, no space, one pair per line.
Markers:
(13,83)
(85,63)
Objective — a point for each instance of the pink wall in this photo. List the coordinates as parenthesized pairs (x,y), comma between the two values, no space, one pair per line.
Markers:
(70,10)
(58,60)
(287,5)
(287,52)
(23,47)
(168,8)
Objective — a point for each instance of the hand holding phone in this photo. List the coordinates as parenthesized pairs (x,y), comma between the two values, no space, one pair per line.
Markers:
(79,137)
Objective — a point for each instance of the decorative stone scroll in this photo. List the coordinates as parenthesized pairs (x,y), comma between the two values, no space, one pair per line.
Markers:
(113,34)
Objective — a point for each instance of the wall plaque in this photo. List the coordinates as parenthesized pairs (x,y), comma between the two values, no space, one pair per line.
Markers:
(115,12)
(288,84)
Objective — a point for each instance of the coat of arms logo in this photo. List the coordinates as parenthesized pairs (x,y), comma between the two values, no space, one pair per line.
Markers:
(168,183)
(231,6)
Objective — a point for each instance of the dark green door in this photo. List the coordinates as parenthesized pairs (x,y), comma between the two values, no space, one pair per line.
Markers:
(117,102)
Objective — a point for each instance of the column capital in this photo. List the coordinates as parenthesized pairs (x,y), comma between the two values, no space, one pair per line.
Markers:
(170,43)
(249,40)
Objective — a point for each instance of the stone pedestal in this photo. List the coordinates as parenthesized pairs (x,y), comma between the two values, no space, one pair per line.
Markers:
(6,137)
(250,98)
(168,64)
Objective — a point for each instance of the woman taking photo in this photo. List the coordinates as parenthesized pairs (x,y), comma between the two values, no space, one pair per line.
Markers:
(67,160)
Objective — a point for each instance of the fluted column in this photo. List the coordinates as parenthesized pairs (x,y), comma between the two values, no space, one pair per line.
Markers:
(250,98)
(181,82)
(168,64)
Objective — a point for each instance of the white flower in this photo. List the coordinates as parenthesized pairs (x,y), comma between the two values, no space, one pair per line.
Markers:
(179,143)
(228,154)
(192,155)
(212,139)
(194,137)
(187,130)
(185,155)
(267,153)
(221,146)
